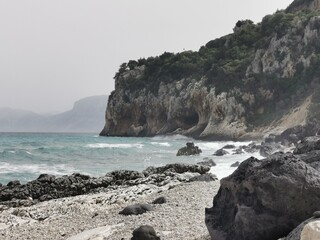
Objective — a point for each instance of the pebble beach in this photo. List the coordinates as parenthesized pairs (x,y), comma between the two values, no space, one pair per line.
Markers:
(96,216)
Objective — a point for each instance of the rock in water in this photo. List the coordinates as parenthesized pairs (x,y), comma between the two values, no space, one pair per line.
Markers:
(145,232)
(264,199)
(189,150)
(220,152)
(136,209)
(207,162)
(236,164)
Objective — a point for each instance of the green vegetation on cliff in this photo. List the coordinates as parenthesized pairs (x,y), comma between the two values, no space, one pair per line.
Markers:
(232,84)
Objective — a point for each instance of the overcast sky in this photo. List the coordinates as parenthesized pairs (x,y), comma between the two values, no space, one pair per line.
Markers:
(54,52)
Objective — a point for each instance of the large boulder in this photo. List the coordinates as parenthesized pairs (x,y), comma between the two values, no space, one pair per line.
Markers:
(264,199)
(189,150)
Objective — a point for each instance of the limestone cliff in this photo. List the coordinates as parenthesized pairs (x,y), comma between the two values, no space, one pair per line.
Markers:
(233,87)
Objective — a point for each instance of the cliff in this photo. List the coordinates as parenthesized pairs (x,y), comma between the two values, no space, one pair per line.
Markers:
(262,78)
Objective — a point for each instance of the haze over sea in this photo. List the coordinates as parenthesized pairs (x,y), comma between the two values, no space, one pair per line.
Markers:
(24,156)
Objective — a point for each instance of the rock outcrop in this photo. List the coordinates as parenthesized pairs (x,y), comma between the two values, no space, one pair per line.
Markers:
(189,150)
(48,187)
(264,199)
(236,87)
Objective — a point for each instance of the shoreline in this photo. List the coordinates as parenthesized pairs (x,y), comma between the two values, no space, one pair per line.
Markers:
(182,217)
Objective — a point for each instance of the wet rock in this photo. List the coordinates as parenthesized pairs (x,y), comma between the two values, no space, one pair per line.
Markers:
(160,200)
(46,178)
(229,146)
(258,192)
(189,150)
(237,151)
(13,183)
(208,177)
(136,209)
(220,152)
(177,168)
(145,232)
(236,164)
(308,144)
(208,162)
(125,175)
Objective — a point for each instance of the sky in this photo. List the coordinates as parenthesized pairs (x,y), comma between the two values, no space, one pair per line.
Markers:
(55,52)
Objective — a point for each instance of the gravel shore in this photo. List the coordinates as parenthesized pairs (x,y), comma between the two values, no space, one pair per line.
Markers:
(97,216)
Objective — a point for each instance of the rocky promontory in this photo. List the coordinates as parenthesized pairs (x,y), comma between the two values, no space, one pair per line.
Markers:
(263,78)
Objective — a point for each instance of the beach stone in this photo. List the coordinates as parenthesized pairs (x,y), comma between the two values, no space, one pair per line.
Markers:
(136,209)
(189,150)
(13,183)
(236,164)
(258,192)
(160,200)
(145,232)
(311,231)
(220,152)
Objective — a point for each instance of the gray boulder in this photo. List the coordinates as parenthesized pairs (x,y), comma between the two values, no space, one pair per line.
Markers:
(236,164)
(145,232)
(220,152)
(189,150)
(264,199)
(136,209)
(207,162)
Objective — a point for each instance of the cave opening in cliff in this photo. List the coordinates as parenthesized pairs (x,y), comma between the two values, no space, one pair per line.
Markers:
(191,119)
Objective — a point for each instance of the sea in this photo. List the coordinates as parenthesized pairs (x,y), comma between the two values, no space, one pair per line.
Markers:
(24,156)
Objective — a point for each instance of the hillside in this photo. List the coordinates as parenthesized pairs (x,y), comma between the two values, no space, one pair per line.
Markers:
(242,85)
(87,115)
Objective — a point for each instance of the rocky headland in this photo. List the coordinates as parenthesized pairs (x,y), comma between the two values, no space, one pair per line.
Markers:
(263,78)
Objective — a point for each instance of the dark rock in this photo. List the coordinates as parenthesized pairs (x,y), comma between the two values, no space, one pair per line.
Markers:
(264,199)
(236,164)
(220,152)
(189,150)
(125,175)
(270,139)
(145,232)
(177,168)
(308,144)
(14,183)
(229,146)
(207,177)
(48,187)
(316,214)
(160,200)
(250,148)
(209,163)
(266,149)
(46,178)
(237,151)
(136,209)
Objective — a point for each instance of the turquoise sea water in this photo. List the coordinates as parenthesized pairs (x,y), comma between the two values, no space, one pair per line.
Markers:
(23,156)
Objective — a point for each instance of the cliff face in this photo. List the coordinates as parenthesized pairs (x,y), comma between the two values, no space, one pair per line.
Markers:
(233,87)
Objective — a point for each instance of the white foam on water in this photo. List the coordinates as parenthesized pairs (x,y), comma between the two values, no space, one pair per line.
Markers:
(35,168)
(165,144)
(172,137)
(115,145)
